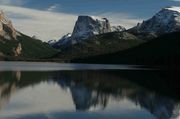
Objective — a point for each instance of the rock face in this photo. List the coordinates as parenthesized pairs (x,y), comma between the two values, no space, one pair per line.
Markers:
(87,26)
(65,39)
(17,51)
(7,30)
(52,42)
(118,28)
(165,21)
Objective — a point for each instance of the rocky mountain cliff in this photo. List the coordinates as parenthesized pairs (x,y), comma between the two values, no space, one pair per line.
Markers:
(118,28)
(87,26)
(7,30)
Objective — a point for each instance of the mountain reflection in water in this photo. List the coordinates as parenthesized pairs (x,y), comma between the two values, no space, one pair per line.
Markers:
(91,91)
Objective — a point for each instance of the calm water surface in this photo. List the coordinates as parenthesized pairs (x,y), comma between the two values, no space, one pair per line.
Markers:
(70,91)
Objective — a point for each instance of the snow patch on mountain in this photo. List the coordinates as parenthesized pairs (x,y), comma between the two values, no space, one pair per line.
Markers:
(66,39)
(52,42)
(174,8)
(117,28)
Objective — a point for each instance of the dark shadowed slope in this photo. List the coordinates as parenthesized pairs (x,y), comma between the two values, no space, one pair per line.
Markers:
(25,47)
(98,45)
(164,50)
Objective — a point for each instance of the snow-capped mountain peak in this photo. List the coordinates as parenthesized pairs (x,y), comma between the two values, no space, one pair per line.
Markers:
(85,27)
(165,21)
(173,8)
(90,25)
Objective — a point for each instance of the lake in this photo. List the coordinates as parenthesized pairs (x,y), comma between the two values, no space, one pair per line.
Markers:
(37,90)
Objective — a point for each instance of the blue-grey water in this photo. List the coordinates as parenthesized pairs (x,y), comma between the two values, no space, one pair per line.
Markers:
(84,91)
(48,66)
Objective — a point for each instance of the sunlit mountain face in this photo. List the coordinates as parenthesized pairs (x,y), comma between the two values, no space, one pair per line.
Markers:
(120,12)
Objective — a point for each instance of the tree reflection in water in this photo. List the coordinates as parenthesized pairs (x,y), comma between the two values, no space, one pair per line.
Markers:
(91,90)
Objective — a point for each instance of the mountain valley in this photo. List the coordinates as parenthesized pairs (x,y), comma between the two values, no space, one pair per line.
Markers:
(95,40)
